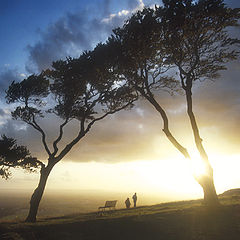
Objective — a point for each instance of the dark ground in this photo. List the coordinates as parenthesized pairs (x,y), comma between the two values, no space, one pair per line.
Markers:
(188,220)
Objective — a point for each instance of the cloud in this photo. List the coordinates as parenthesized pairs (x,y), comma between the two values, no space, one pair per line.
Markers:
(125,136)
(137,134)
(4,117)
(7,75)
(2,113)
(218,109)
(232,3)
(74,33)
(69,35)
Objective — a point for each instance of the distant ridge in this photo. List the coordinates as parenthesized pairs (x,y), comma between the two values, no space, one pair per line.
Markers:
(231,192)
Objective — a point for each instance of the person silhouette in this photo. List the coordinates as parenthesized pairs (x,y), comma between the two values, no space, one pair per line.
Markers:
(127,202)
(134,197)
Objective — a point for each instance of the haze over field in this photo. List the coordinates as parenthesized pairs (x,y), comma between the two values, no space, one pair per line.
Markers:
(126,152)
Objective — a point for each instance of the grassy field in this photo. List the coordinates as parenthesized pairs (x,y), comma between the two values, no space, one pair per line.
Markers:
(176,221)
(14,205)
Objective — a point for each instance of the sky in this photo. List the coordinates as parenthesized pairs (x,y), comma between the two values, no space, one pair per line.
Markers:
(126,152)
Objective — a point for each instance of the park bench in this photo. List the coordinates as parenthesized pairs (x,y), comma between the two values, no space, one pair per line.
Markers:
(110,205)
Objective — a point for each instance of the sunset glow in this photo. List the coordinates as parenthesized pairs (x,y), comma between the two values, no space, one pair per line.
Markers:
(168,179)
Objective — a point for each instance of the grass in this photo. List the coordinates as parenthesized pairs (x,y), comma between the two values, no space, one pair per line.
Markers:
(168,221)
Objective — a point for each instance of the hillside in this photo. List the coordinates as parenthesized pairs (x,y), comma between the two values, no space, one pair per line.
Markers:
(169,221)
(231,192)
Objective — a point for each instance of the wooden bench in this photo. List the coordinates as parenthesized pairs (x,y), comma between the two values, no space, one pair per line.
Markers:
(109,204)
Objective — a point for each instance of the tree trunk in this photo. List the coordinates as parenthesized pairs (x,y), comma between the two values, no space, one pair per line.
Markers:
(206,181)
(207,184)
(210,196)
(165,129)
(38,193)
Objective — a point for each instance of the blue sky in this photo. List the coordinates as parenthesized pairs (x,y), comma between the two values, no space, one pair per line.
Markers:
(21,21)
(33,33)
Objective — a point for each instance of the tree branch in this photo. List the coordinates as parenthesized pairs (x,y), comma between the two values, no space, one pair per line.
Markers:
(37,127)
(59,137)
(166,130)
(108,113)
(69,146)
(83,131)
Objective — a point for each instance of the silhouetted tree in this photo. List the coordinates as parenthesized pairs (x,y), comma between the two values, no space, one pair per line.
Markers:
(183,35)
(142,62)
(197,42)
(15,156)
(76,89)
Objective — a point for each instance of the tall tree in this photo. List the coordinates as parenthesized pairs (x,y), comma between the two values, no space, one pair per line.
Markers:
(75,89)
(15,156)
(198,43)
(185,35)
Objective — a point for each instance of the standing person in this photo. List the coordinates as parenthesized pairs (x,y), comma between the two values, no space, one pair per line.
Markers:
(134,197)
(127,202)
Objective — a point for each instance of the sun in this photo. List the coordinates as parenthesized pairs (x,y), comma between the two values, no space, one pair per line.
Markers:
(198,166)
(172,176)
(177,176)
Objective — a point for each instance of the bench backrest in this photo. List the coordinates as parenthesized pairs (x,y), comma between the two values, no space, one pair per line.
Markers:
(110,203)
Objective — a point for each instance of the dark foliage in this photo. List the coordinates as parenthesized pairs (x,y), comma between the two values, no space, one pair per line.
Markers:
(85,89)
(15,156)
(196,37)
(30,90)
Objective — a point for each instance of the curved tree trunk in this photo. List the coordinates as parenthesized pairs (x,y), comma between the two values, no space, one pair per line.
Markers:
(210,196)
(206,181)
(165,129)
(38,193)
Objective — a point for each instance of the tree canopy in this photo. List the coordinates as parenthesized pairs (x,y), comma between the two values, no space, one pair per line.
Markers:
(15,156)
(84,89)
(197,38)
